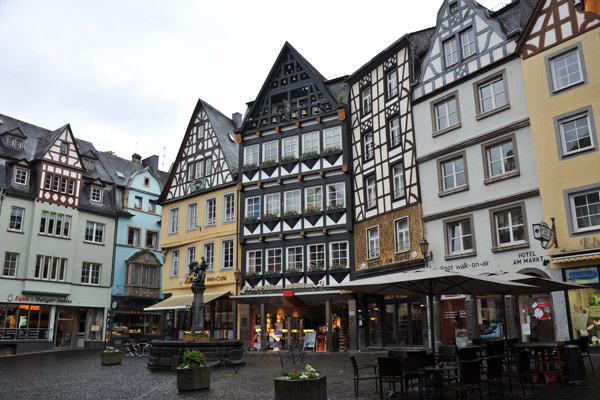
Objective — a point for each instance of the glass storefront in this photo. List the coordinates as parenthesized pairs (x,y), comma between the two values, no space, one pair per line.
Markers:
(454,321)
(24,322)
(584,304)
(490,317)
(404,320)
(136,322)
(535,318)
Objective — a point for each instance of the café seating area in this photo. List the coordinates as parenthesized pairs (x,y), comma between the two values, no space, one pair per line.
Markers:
(483,368)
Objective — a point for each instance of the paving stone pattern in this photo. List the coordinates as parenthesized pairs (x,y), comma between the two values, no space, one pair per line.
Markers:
(77,374)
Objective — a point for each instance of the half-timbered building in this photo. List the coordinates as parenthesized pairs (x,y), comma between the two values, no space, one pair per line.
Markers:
(561,54)
(296,206)
(56,240)
(387,203)
(475,157)
(199,214)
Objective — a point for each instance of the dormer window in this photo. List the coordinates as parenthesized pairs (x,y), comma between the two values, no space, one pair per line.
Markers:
(453,7)
(21,176)
(467,42)
(14,142)
(450,52)
(64,148)
(89,164)
(96,194)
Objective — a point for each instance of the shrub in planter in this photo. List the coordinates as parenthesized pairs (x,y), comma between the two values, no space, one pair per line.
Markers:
(193,374)
(111,356)
(305,385)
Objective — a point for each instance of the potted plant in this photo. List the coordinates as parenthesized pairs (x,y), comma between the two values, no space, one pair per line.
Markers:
(301,385)
(193,374)
(341,107)
(197,336)
(310,158)
(249,170)
(111,356)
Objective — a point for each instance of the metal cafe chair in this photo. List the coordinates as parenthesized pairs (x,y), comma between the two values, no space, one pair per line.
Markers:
(493,374)
(583,350)
(361,376)
(470,378)
(390,371)
(524,370)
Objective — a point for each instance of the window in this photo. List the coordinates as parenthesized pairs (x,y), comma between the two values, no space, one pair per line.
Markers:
(96,194)
(173,220)
(460,237)
(366,100)
(501,159)
(451,52)
(48,183)
(398,180)
(273,260)
(55,224)
(310,143)
(336,195)
(11,261)
(566,70)
(316,255)
(190,257)
(133,237)
(229,207)
(227,254)
(272,205)
(151,240)
(453,7)
(71,187)
(209,255)
(14,142)
(392,83)
(402,236)
(575,134)
(191,170)
(21,176)
(585,210)
(50,268)
(192,216)
(90,274)
(199,168)
(137,202)
(16,219)
(270,151)
(254,261)
(453,174)
(152,206)
(64,148)
(175,263)
(467,41)
(314,199)
(208,167)
(211,212)
(371,194)
(63,185)
(290,147)
(295,258)
(333,139)
(143,275)
(510,226)
(445,114)
(89,164)
(369,146)
(94,232)
(200,132)
(56,184)
(253,207)
(491,95)
(339,255)
(291,200)
(373,242)
(251,155)
(394,127)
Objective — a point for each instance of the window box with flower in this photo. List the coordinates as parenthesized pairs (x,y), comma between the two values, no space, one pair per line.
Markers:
(332,154)
(249,170)
(315,272)
(253,277)
(251,222)
(310,158)
(289,163)
(335,211)
(268,166)
(291,218)
(273,276)
(197,336)
(301,385)
(338,271)
(111,356)
(313,214)
(270,220)
(293,274)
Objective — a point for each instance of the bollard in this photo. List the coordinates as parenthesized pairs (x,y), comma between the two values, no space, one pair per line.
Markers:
(575,367)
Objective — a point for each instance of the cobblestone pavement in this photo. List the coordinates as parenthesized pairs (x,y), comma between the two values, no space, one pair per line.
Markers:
(77,374)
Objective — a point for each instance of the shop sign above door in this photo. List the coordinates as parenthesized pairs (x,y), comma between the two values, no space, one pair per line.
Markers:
(38,299)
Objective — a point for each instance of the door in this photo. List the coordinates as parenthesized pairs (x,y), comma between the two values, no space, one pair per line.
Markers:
(64,327)
(81,327)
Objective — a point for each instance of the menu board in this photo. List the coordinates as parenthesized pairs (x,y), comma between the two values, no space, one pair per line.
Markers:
(10,333)
(309,339)
(34,333)
(22,334)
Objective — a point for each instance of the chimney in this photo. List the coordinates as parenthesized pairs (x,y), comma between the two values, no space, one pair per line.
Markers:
(237,119)
(152,163)
(136,158)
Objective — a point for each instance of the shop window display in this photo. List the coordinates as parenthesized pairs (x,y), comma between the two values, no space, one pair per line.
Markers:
(535,318)
(24,322)
(584,304)
(490,317)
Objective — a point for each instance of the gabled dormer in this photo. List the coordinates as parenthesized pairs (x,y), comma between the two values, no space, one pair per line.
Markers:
(208,155)
(63,150)
(14,139)
(466,40)
(293,91)
(554,22)
(89,160)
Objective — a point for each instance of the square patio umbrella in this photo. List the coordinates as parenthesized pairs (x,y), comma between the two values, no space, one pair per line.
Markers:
(432,283)
(542,285)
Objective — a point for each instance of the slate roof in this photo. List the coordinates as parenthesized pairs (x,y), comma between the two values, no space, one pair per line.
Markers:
(224,129)
(514,17)
(37,140)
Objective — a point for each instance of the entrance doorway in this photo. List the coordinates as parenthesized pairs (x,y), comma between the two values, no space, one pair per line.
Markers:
(64,327)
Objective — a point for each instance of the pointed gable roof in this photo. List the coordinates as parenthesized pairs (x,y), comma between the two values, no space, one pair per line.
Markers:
(291,71)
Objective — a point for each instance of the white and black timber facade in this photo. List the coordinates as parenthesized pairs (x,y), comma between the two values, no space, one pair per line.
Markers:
(296,203)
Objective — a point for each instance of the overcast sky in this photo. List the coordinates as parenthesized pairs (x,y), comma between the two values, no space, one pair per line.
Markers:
(127,74)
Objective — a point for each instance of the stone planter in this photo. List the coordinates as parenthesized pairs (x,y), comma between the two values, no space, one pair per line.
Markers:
(193,378)
(112,358)
(301,389)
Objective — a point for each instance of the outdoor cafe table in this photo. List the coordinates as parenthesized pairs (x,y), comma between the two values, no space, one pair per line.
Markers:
(547,354)
(439,371)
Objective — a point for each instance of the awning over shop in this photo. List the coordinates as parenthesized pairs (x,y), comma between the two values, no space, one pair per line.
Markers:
(566,258)
(291,296)
(183,301)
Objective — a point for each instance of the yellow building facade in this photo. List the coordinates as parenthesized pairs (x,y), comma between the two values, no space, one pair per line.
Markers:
(561,54)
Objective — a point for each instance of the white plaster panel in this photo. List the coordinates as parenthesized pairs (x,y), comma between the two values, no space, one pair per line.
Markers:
(480,24)
(435,50)
(436,64)
(550,20)
(566,30)
(444,24)
(547,4)
(550,38)
(481,41)
(429,73)
(497,53)
(371,213)
(563,11)
(427,87)
(438,82)
(472,66)
(449,77)
(484,60)
(510,47)
(495,40)
(580,19)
